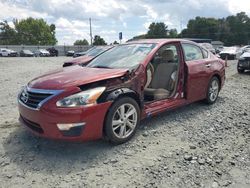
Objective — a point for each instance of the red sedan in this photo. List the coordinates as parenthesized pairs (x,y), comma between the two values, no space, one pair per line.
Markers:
(109,96)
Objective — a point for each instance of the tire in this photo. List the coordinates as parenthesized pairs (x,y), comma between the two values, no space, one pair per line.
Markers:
(120,128)
(240,70)
(212,90)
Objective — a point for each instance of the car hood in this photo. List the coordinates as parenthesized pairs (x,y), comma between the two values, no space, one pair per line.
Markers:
(73,76)
(81,59)
(245,54)
(229,51)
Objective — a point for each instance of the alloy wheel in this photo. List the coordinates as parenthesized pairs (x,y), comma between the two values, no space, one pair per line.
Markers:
(213,90)
(124,120)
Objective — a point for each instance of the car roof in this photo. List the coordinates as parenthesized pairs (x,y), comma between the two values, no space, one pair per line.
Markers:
(160,41)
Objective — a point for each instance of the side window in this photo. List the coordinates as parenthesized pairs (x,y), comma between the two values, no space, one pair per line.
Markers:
(192,52)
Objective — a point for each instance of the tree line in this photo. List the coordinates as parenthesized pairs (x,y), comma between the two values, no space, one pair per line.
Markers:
(232,30)
(29,31)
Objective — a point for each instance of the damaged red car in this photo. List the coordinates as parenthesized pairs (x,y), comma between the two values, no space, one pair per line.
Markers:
(109,96)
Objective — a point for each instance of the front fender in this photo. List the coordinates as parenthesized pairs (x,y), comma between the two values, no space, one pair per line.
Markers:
(121,92)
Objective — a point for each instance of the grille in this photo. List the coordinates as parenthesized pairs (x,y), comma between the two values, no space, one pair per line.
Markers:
(34,126)
(33,99)
(245,62)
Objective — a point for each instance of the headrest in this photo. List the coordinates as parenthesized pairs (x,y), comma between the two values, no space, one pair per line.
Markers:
(168,55)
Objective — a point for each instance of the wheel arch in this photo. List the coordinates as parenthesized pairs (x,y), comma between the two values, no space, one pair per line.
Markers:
(118,94)
(122,92)
(218,77)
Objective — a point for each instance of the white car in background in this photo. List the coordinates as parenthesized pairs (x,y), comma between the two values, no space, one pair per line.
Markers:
(42,53)
(4,52)
(230,53)
(244,49)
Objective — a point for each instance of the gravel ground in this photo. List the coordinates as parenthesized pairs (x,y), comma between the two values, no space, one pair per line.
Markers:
(193,146)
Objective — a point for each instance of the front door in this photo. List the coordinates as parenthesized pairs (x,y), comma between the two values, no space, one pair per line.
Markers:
(198,72)
(167,65)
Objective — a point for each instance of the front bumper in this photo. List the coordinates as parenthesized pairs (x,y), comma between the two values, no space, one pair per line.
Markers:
(244,64)
(43,122)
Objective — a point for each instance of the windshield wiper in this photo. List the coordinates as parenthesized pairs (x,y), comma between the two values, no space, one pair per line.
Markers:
(101,66)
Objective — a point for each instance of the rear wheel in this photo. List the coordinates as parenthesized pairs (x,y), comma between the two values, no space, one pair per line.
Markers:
(122,120)
(213,90)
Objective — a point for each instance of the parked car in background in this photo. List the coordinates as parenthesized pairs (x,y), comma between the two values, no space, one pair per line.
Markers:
(116,90)
(89,55)
(219,49)
(244,48)
(42,53)
(70,53)
(26,53)
(4,52)
(230,53)
(53,52)
(209,47)
(78,54)
(244,61)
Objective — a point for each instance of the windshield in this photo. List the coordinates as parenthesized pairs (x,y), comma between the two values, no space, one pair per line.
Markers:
(96,51)
(126,56)
(247,50)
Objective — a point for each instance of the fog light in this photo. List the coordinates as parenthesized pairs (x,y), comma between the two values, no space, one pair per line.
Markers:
(68,126)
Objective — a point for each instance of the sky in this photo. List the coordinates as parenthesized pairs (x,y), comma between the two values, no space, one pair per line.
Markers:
(109,17)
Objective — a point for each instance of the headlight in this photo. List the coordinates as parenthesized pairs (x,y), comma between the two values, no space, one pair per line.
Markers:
(83,98)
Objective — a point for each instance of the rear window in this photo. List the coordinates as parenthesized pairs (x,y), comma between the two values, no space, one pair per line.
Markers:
(205,53)
(192,52)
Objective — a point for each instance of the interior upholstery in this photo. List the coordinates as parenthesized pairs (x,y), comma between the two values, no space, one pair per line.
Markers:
(161,84)
(167,56)
(150,73)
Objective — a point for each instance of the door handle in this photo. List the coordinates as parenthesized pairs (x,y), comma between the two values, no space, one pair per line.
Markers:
(208,65)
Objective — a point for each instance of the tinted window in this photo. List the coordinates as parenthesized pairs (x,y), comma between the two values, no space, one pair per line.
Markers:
(192,52)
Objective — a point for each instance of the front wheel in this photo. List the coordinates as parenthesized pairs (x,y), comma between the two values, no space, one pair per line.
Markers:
(213,90)
(122,120)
